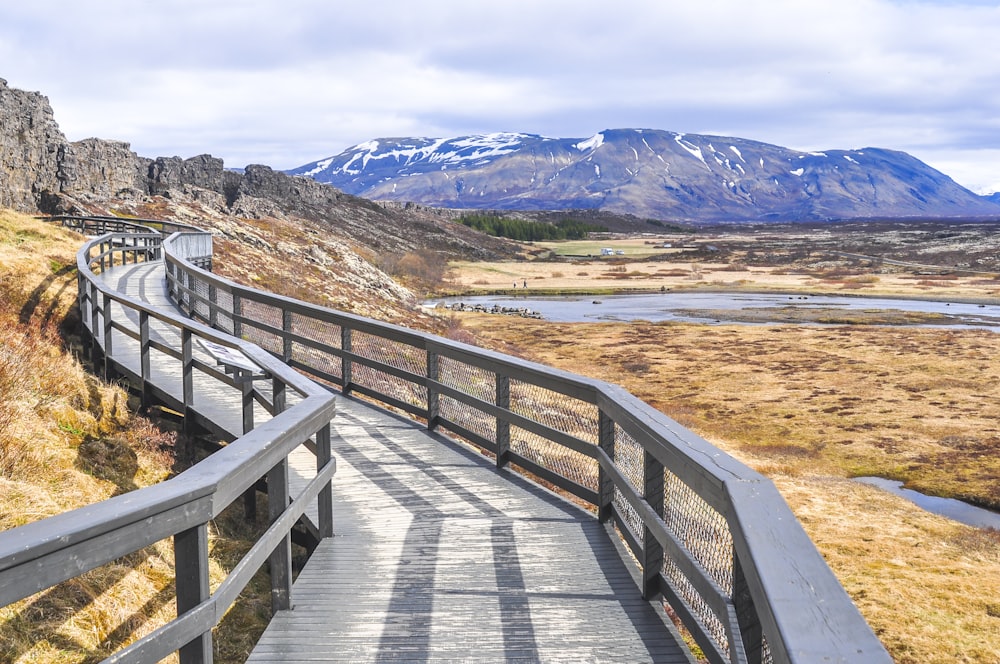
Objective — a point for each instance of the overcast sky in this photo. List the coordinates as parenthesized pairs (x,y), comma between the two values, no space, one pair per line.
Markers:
(287,83)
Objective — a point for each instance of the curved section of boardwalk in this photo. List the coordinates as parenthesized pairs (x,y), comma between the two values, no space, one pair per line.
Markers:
(439,557)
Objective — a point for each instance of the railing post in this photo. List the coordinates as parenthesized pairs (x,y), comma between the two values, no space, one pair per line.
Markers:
(250,495)
(652,550)
(286,337)
(237,313)
(191,570)
(606,486)
(324,453)
(185,281)
(144,371)
(106,333)
(95,331)
(187,379)
(751,633)
(503,424)
(277,503)
(213,306)
(247,389)
(433,397)
(345,360)
(81,285)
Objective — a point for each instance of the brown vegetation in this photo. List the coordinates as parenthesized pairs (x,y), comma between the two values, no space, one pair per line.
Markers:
(68,440)
(812,407)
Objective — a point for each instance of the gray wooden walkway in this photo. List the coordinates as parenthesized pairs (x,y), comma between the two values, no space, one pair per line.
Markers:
(439,557)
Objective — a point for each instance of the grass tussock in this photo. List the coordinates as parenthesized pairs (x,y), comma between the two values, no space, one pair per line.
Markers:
(812,407)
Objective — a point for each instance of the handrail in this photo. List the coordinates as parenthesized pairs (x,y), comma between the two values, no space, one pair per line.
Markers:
(713,538)
(39,555)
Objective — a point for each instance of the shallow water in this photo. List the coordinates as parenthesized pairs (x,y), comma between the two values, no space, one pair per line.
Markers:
(949,507)
(657,307)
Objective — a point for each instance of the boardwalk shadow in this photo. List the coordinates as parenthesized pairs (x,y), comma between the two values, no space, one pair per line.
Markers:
(441,506)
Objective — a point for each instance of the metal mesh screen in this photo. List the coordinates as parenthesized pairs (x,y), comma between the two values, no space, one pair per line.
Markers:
(394,354)
(473,381)
(629,460)
(326,334)
(562,413)
(713,627)
(200,305)
(224,313)
(268,315)
(565,462)
(702,531)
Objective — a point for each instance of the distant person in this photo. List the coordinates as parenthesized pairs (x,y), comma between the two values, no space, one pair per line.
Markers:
(525,283)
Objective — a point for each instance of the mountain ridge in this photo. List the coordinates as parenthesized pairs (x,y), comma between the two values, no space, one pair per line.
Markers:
(648,173)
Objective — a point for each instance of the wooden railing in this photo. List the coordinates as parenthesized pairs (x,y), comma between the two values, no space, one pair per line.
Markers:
(41,554)
(713,538)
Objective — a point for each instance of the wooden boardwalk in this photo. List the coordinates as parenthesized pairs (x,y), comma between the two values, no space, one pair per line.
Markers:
(439,557)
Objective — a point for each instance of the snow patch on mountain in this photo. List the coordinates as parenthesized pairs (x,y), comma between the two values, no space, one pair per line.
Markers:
(592,143)
(691,148)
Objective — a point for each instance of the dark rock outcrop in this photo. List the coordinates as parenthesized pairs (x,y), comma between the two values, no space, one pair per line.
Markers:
(31,148)
(41,171)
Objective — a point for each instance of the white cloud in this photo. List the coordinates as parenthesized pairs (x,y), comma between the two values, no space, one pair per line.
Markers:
(258,81)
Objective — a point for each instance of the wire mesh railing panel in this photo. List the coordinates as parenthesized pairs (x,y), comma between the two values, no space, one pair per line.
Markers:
(327,334)
(322,361)
(224,311)
(696,604)
(629,457)
(200,305)
(268,315)
(474,381)
(468,417)
(388,385)
(563,461)
(702,531)
(395,354)
(556,411)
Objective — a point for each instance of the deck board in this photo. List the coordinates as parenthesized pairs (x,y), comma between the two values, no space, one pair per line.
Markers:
(440,557)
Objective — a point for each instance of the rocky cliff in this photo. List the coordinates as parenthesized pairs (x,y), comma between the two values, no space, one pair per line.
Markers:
(31,149)
(41,171)
(288,234)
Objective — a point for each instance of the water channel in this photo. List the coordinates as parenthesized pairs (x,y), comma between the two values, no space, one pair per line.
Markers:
(949,507)
(711,307)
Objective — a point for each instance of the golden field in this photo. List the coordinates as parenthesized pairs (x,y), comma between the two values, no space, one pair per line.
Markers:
(812,407)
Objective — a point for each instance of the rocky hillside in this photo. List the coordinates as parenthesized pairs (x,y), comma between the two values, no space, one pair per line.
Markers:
(338,247)
(649,173)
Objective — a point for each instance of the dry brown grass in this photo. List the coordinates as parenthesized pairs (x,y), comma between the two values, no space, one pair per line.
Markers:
(67,440)
(813,406)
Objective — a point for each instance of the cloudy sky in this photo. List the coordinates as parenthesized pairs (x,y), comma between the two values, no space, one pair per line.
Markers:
(287,83)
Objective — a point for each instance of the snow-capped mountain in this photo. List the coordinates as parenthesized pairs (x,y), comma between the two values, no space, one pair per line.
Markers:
(649,173)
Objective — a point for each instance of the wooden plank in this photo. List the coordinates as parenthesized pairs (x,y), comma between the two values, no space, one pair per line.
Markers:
(439,557)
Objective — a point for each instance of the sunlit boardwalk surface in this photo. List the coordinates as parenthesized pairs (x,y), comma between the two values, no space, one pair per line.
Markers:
(439,557)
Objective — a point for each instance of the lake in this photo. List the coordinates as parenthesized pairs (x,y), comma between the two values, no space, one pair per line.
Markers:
(704,307)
